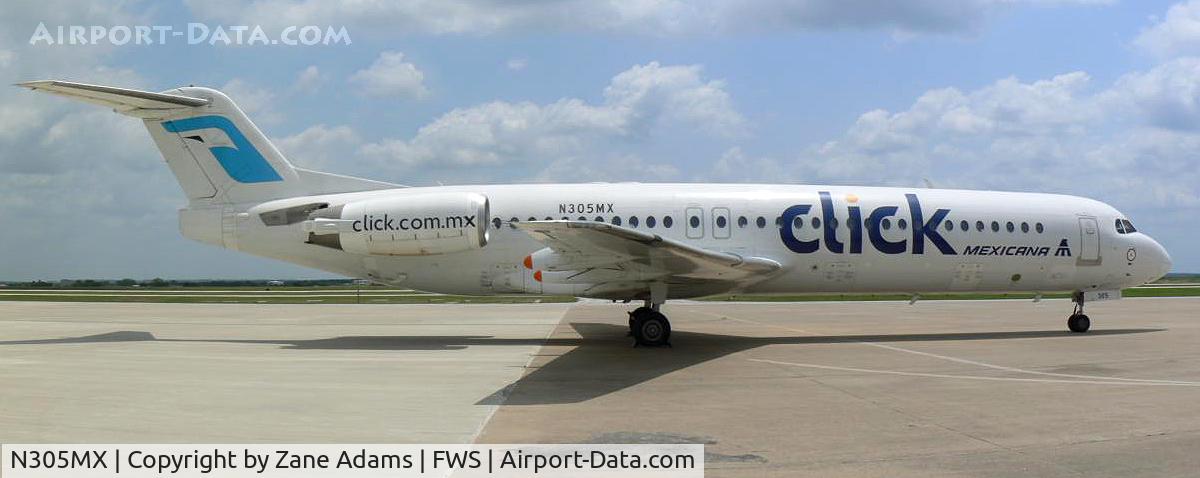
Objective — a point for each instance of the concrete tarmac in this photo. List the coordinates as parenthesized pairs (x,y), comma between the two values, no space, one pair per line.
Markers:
(218,373)
(941,388)
(955,388)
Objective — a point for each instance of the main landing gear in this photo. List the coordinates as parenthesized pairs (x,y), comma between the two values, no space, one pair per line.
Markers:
(1078,322)
(649,327)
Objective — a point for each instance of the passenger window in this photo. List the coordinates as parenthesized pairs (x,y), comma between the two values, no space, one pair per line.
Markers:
(581,218)
(816,222)
(694,221)
(616,220)
(902,224)
(633,221)
(1025,227)
(668,222)
(548,218)
(1039,227)
(995,226)
(761,221)
(964,225)
(599,219)
(513,219)
(1009,227)
(721,221)
(531,219)
(778,221)
(949,225)
(979,226)
(650,222)
(833,223)
(565,218)
(798,222)
(496,223)
(742,222)
(886,223)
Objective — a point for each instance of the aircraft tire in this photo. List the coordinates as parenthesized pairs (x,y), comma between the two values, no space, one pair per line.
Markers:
(1079,323)
(651,329)
(638,312)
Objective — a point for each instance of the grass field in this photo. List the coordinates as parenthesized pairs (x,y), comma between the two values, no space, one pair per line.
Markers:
(259,295)
(1135,292)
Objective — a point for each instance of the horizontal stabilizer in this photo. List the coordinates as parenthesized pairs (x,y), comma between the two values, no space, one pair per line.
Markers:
(122,100)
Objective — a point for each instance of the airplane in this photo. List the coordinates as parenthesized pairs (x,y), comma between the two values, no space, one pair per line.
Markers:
(627,241)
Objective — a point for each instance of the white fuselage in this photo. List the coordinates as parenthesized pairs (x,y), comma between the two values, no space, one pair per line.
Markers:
(832,238)
(674,240)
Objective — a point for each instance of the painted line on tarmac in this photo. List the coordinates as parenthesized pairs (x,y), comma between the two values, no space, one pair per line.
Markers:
(510,388)
(1165,383)
(975,362)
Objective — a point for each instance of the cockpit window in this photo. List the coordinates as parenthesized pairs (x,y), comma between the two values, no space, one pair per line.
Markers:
(1120,227)
(1128,226)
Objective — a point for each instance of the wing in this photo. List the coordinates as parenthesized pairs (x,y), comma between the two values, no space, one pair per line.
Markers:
(621,259)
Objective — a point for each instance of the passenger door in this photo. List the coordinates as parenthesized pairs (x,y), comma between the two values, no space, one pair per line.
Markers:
(1089,241)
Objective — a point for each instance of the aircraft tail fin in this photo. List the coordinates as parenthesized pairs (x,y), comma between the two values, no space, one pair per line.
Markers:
(216,153)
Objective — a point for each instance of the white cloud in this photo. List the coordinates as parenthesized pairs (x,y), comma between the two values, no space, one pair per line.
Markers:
(611,167)
(652,92)
(655,17)
(256,102)
(516,64)
(500,132)
(320,146)
(85,192)
(529,136)
(1177,34)
(1167,95)
(1056,134)
(390,75)
(308,80)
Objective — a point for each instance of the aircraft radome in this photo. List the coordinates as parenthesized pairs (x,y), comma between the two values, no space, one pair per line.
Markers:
(627,241)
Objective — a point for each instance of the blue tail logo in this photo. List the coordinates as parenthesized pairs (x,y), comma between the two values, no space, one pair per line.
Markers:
(242,162)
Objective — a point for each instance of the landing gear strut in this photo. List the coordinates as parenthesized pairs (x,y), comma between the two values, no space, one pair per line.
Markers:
(649,327)
(1078,322)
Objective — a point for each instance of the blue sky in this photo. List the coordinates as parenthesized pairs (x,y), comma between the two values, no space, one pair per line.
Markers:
(1096,98)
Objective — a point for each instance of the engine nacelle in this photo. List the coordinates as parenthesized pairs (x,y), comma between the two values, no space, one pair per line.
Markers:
(406,225)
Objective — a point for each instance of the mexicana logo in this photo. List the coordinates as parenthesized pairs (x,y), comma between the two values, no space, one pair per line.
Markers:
(1063,249)
(922,230)
(242,162)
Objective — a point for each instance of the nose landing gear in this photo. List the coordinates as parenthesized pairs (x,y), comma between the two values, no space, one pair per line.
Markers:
(1078,322)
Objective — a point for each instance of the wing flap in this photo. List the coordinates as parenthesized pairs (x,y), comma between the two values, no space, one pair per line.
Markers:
(644,254)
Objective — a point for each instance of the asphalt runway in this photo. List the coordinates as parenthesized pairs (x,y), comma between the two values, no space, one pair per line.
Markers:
(939,388)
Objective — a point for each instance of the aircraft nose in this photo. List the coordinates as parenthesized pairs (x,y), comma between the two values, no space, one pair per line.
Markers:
(1158,262)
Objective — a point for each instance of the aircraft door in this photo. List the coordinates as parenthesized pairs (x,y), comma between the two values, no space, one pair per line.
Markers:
(721,222)
(1089,241)
(694,222)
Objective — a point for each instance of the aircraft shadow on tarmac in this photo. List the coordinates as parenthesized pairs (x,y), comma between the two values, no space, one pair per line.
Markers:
(601,360)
